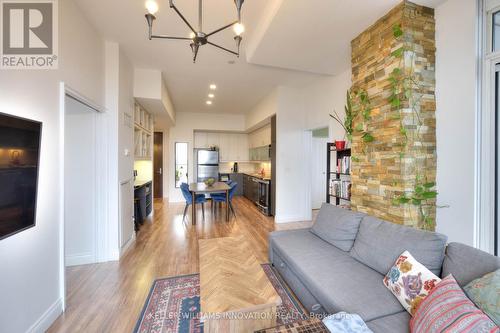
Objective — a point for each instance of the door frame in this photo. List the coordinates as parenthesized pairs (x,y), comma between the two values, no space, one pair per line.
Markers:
(312,161)
(486,191)
(102,221)
(161,134)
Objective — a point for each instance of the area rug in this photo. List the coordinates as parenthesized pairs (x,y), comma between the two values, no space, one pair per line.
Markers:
(307,326)
(173,305)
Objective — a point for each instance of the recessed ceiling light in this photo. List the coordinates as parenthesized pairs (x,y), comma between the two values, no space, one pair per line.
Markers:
(209,102)
(211,95)
(213,87)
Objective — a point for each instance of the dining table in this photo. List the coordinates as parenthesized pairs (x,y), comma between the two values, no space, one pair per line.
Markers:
(202,188)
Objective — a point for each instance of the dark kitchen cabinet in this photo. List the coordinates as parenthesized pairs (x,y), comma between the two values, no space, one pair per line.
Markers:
(238,178)
(246,186)
(250,188)
(143,201)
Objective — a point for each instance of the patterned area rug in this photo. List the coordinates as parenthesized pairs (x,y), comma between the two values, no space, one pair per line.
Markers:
(306,326)
(173,305)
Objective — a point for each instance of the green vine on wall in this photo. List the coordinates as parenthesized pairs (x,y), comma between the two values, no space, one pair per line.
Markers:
(404,83)
(361,110)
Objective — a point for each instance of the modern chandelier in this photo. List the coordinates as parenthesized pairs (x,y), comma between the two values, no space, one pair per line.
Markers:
(197,37)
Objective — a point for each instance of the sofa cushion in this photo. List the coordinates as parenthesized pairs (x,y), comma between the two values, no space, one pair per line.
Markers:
(466,263)
(485,293)
(397,323)
(337,226)
(337,281)
(380,243)
(410,281)
(447,309)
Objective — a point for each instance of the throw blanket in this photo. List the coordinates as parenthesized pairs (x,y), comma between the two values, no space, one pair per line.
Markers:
(343,322)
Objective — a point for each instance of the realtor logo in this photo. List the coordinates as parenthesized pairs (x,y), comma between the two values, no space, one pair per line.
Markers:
(29,34)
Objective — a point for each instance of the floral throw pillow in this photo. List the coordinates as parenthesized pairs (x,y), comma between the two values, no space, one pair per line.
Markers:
(410,281)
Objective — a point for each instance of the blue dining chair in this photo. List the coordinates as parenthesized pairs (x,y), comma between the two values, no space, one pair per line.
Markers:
(221,197)
(228,182)
(200,198)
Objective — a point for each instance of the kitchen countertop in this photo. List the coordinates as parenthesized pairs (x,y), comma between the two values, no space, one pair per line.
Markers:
(254,175)
(141,183)
(257,175)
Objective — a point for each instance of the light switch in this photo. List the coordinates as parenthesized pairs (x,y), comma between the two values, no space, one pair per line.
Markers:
(126,152)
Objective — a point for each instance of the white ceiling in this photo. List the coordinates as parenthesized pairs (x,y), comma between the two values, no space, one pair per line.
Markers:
(315,35)
(286,36)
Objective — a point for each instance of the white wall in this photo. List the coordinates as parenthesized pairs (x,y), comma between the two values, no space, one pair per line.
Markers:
(80,196)
(183,131)
(147,83)
(151,92)
(455,117)
(29,261)
(324,96)
(299,110)
(126,150)
(262,111)
(292,176)
(119,102)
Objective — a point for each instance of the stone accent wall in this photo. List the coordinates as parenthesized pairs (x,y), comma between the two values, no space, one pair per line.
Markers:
(384,169)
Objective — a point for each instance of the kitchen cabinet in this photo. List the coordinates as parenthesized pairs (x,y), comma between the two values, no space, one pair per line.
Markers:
(233,147)
(143,138)
(260,154)
(260,137)
(213,140)
(250,188)
(224,143)
(237,178)
(200,140)
(238,148)
(143,206)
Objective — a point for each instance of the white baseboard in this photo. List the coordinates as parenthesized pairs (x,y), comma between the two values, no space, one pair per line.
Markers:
(127,245)
(47,319)
(290,218)
(80,259)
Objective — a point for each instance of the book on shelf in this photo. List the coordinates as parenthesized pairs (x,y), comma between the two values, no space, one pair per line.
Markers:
(344,165)
(340,188)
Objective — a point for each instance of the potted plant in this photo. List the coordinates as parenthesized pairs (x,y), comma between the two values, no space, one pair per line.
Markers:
(363,109)
(346,123)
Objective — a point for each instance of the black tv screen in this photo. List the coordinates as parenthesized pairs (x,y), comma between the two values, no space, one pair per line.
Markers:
(19,163)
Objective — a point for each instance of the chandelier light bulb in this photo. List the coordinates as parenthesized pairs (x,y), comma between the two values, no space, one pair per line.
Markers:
(238,29)
(152,7)
(211,95)
(213,87)
(192,35)
(209,102)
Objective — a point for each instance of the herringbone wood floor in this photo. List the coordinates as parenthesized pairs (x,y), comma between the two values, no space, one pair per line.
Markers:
(109,297)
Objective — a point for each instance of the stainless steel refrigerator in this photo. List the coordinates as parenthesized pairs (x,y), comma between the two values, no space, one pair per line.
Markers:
(207,164)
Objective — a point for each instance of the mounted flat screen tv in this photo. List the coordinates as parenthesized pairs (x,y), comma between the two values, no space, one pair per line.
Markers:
(19,163)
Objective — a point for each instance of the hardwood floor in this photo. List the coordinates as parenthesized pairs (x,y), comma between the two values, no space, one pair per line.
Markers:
(108,297)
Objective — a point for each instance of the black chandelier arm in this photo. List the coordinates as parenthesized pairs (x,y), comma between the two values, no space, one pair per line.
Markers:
(169,37)
(223,48)
(223,28)
(183,18)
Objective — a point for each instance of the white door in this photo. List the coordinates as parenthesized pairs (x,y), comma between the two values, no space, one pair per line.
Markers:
(318,172)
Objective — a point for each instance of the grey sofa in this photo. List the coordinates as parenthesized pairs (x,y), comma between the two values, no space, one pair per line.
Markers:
(339,264)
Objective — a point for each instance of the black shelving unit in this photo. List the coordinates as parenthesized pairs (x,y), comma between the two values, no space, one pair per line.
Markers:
(331,151)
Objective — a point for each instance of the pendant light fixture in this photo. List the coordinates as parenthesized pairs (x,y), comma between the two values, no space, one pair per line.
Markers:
(198,37)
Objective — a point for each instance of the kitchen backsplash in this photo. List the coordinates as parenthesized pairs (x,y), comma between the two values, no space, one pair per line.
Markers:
(247,167)
(144,170)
